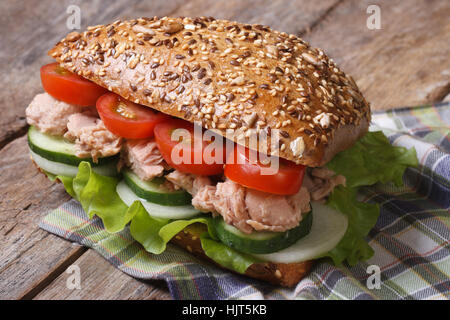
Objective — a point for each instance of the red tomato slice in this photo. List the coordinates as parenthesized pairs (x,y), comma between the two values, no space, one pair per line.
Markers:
(127,119)
(69,87)
(188,155)
(241,169)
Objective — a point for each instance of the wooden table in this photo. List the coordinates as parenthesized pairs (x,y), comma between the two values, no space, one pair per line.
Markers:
(406,62)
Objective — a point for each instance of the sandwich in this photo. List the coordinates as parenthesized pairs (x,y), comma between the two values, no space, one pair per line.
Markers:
(243,145)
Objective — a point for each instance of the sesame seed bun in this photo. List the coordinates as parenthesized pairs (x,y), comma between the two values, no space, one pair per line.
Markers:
(226,75)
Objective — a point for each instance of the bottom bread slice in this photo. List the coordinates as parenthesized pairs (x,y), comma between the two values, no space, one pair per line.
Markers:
(283,274)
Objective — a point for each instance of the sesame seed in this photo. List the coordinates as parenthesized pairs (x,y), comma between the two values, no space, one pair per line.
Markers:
(284,134)
(201,73)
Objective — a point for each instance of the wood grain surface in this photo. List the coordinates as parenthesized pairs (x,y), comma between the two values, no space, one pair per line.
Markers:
(28,255)
(101,280)
(404,63)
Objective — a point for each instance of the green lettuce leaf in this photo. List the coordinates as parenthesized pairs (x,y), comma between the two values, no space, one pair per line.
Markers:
(361,218)
(145,229)
(97,195)
(68,185)
(373,159)
(154,233)
(226,256)
(171,229)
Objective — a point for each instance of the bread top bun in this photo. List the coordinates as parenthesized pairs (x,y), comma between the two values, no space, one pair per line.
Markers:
(226,75)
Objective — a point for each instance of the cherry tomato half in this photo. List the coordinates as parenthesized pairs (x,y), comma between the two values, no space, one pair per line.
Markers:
(196,157)
(286,179)
(69,87)
(127,119)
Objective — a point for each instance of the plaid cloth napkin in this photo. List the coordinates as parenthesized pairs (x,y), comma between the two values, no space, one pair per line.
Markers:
(411,238)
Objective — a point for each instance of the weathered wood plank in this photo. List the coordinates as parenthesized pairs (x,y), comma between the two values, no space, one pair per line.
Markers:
(54,264)
(100,280)
(406,62)
(27,254)
(293,16)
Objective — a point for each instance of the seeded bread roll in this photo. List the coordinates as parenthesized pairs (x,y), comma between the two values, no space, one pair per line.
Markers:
(226,75)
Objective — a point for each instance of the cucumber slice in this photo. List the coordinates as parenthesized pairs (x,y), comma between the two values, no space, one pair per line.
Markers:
(58,149)
(260,241)
(153,209)
(67,170)
(328,228)
(154,191)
